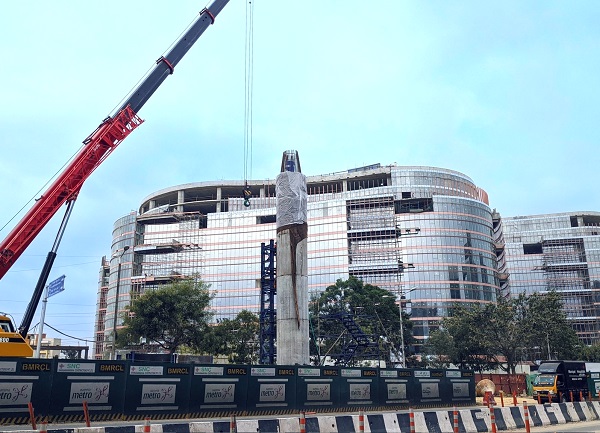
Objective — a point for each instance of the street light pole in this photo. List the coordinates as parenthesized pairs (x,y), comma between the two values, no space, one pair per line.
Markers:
(400,310)
(401,333)
(114,337)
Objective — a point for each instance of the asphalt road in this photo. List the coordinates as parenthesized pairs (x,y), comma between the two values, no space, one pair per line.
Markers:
(576,427)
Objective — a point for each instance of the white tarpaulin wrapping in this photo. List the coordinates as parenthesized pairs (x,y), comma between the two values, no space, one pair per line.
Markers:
(290,188)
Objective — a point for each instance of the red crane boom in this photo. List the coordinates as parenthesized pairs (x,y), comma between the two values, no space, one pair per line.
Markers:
(111,132)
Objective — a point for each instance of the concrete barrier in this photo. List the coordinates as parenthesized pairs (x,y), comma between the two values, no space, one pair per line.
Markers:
(470,421)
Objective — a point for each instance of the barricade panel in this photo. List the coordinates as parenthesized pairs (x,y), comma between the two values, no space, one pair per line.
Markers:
(218,389)
(394,387)
(101,384)
(317,388)
(24,381)
(272,389)
(593,381)
(427,387)
(158,390)
(358,387)
(458,388)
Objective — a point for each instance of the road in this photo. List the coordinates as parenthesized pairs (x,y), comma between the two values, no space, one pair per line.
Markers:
(576,427)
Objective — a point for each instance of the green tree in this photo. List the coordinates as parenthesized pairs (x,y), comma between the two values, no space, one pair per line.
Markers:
(472,348)
(550,334)
(590,353)
(507,330)
(374,310)
(173,316)
(439,349)
(238,339)
(504,333)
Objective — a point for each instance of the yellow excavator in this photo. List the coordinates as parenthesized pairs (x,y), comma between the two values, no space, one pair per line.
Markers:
(12,343)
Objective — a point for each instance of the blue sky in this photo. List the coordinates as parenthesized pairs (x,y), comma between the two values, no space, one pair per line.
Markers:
(504,92)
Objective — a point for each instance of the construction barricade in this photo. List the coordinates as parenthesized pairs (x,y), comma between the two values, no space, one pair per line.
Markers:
(98,384)
(394,387)
(317,389)
(272,389)
(458,388)
(24,382)
(358,387)
(218,390)
(157,390)
(427,388)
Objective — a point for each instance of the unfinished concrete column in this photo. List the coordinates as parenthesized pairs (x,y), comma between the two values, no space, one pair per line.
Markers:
(218,199)
(180,200)
(292,263)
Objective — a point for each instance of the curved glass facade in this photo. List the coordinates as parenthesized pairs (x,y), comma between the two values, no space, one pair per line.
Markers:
(422,232)
(117,294)
(559,252)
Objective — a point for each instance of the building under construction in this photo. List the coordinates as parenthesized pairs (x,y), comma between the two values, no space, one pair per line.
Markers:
(559,252)
(421,232)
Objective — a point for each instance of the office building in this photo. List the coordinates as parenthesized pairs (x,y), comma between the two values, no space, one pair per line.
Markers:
(558,252)
(422,232)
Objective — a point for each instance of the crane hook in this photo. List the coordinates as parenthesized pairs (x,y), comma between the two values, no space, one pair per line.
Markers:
(247,193)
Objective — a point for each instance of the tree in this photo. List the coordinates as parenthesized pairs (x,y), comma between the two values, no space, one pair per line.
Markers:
(503,333)
(373,309)
(471,349)
(590,353)
(439,350)
(238,338)
(551,335)
(507,330)
(170,317)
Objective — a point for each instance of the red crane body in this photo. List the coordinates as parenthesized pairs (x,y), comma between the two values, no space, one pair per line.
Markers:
(111,132)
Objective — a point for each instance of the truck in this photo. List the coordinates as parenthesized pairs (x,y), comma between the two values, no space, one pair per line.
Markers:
(561,381)
(64,190)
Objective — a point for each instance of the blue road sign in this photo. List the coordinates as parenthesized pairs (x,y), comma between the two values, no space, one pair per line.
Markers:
(56,286)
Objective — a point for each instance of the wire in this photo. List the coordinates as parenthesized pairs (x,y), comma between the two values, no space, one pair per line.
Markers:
(67,335)
(54,267)
(42,188)
(248,88)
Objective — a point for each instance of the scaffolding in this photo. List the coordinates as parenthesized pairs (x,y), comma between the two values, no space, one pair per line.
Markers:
(168,248)
(268,314)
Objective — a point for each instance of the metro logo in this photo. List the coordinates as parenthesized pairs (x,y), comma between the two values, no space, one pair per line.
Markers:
(15,393)
(272,392)
(219,393)
(158,393)
(92,392)
(318,392)
(360,391)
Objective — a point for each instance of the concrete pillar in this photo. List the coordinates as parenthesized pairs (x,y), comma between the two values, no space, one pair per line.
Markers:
(292,264)
(218,199)
(180,200)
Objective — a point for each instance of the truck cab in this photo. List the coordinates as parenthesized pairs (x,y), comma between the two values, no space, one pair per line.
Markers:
(560,381)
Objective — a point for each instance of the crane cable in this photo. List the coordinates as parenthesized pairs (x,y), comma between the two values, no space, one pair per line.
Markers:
(248,90)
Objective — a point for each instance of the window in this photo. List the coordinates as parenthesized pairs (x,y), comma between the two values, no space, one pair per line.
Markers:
(532,248)
(265,219)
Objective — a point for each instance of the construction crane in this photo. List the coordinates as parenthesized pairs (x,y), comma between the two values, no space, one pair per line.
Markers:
(97,146)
